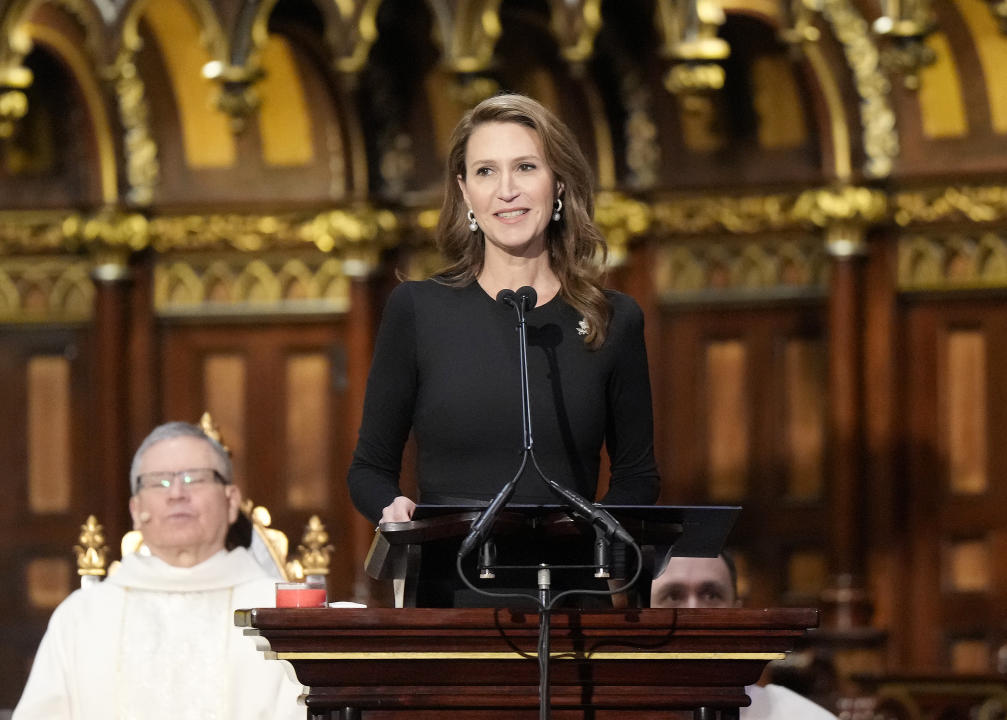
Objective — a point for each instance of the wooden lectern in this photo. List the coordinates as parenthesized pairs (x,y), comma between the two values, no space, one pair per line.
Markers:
(481,664)
(419,555)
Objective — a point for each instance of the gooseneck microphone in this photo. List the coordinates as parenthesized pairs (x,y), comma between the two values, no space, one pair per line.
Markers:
(523,300)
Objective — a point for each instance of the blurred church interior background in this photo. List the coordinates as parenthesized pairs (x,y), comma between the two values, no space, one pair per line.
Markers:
(203,204)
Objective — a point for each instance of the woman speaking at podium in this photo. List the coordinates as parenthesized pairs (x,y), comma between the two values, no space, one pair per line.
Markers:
(517,213)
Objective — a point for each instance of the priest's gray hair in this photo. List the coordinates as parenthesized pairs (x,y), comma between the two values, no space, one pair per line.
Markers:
(169,431)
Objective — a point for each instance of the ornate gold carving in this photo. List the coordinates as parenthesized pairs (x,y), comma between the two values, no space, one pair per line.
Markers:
(575,25)
(643,153)
(236,96)
(695,215)
(952,262)
(45,289)
(13,102)
(92,553)
(999,10)
(880,138)
(15,44)
(207,425)
(467,31)
(817,208)
(142,167)
(687,78)
(621,219)
(729,270)
(951,204)
(216,284)
(347,229)
(689,31)
(359,234)
(469,90)
(275,541)
(32,231)
(906,23)
(354,33)
(825,207)
(798,23)
(314,554)
(109,228)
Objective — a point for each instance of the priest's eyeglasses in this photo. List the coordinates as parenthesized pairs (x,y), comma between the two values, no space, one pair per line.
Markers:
(197,477)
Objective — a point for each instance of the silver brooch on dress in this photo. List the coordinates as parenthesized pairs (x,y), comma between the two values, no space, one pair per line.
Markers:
(582,328)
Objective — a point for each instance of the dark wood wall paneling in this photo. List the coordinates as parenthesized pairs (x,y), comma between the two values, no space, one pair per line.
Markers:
(939,517)
(47,536)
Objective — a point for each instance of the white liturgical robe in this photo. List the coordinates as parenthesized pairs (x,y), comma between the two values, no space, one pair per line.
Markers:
(775,702)
(155,641)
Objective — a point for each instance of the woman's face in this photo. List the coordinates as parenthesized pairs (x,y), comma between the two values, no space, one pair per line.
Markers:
(509,187)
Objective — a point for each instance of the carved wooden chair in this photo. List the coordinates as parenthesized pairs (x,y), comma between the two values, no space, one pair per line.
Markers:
(268,545)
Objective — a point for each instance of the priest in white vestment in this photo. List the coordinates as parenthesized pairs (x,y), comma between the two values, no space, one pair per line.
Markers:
(687,582)
(157,638)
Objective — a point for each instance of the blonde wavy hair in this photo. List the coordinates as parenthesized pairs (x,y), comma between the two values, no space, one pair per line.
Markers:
(577,249)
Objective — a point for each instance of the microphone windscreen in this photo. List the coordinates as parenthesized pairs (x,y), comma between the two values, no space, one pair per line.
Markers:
(528,296)
(144,516)
(507,297)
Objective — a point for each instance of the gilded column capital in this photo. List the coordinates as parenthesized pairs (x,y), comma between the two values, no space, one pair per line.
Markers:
(845,214)
(621,219)
(360,234)
(906,24)
(574,24)
(824,207)
(353,30)
(468,31)
(237,95)
(110,237)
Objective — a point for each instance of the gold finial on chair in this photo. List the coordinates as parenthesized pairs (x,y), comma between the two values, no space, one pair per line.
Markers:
(207,425)
(92,552)
(314,553)
(274,540)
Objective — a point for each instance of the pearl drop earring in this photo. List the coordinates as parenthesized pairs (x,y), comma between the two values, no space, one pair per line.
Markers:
(557,209)
(473,225)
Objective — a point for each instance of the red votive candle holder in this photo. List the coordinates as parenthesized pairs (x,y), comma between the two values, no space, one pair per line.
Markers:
(300,595)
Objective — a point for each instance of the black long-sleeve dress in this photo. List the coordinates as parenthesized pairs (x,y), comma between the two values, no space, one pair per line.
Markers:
(446,366)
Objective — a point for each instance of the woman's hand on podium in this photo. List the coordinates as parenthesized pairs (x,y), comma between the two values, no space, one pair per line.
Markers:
(401,510)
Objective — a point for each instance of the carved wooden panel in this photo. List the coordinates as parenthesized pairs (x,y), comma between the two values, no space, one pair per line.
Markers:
(744,389)
(45,484)
(277,392)
(956,583)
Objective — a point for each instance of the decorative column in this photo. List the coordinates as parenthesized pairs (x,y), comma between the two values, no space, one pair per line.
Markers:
(109,416)
(844,214)
(847,248)
(362,322)
(846,642)
(110,237)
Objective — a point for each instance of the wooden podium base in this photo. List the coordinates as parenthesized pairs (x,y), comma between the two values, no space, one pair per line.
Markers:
(480,663)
